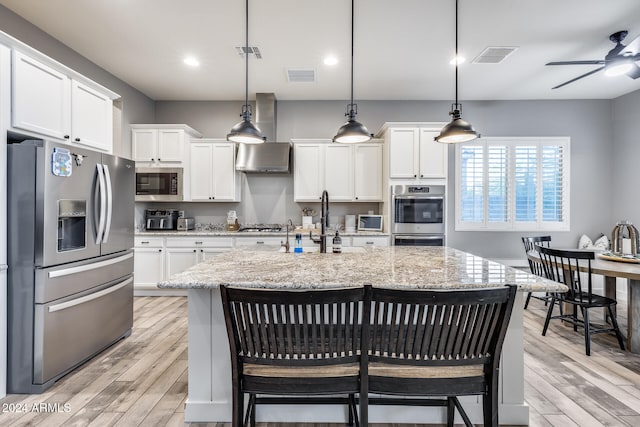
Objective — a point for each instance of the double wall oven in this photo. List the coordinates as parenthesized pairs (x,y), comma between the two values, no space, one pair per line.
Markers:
(418,215)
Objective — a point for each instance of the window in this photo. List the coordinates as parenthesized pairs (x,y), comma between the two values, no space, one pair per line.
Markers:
(513,184)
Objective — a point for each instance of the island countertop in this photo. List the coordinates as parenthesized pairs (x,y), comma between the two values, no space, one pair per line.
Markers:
(390,267)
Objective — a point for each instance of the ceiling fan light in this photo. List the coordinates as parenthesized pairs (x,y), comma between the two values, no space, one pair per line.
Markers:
(246,132)
(618,68)
(352,132)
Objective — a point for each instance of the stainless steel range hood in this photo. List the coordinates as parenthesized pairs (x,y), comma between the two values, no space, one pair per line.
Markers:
(270,157)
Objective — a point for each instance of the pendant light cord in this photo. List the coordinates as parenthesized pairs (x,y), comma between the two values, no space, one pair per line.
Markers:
(351,112)
(246,63)
(456,58)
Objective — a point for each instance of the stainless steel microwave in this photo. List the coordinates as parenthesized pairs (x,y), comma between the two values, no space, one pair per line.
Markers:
(159,184)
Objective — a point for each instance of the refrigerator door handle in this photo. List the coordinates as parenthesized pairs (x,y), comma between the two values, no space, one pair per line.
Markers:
(87,298)
(103,204)
(89,267)
(107,179)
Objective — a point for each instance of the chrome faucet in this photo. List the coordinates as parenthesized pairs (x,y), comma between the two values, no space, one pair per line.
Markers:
(324,223)
(286,244)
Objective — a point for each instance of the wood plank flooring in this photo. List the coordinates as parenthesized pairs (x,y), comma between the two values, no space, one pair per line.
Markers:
(142,380)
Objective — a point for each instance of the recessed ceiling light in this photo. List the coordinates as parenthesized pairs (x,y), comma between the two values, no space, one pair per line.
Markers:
(457,60)
(191,61)
(330,60)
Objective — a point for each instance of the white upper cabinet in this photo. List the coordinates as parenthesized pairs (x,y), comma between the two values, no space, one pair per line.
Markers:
(368,172)
(308,171)
(92,117)
(413,153)
(41,98)
(50,102)
(212,172)
(160,145)
(349,173)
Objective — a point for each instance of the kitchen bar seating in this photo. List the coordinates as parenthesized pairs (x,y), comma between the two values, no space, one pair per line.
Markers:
(535,266)
(300,346)
(562,266)
(427,344)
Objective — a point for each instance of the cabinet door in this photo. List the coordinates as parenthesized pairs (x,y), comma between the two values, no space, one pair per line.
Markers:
(170,145)
(308,172)
(179,259)
(368,172)
(41,98)
(148,266)
(403,147)
(223,172)
(92,118)
(200,174)
(144,143)
(433,155)
(338,172)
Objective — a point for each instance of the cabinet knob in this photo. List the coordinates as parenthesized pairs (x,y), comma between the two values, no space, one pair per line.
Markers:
(152,159)
(213,197)
(415,176)
(66,137)
(194,251)
(77,139)
(159,250)
(159,159)
(356,197)
(201,250)
(421,176)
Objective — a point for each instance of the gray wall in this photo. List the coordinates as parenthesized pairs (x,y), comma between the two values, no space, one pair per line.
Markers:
(136,107)
(626,155)
(588,123)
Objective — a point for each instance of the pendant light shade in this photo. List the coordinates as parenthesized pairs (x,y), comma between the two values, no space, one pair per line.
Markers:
(457,130)
(352,131)
(246,132)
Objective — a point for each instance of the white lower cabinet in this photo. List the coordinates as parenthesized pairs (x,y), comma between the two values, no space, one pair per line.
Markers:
(158,258)
(148,265)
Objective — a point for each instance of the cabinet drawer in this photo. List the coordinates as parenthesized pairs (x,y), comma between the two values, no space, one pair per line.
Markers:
(148,242)
(196,242)
(370,241)
(259,241)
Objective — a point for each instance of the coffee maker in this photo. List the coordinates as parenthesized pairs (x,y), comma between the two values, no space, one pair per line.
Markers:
(161,219)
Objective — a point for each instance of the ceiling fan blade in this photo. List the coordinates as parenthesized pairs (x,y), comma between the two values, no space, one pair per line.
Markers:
(632,48)
(594,62)
(634,73)
(578,78)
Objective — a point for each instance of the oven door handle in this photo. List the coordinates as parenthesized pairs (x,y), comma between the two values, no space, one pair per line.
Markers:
(418,197)
(421,237)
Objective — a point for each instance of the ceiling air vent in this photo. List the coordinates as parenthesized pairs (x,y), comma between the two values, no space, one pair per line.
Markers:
(301,75)
(253,50)
(494,55)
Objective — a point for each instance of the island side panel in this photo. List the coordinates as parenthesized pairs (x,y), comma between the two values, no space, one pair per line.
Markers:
(513,409)
(209,389)
(633,305)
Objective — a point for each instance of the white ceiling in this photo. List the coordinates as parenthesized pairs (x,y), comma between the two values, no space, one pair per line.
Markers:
(402,47)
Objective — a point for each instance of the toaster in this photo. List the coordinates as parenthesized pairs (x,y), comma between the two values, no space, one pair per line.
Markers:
(185,224)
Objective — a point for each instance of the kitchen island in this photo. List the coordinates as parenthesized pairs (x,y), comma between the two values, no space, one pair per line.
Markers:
(209,393)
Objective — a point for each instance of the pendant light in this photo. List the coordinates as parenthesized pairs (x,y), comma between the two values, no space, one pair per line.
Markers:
(352,131)
(245,131)
(457,130)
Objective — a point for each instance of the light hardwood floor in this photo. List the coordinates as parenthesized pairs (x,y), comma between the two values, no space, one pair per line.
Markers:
(142,380)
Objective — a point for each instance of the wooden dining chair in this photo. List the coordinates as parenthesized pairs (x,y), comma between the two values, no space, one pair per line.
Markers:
(535,267)
(563,266)
(426,343)
(301,345)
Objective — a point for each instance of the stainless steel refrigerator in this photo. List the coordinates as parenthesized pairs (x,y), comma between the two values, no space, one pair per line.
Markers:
(70,253)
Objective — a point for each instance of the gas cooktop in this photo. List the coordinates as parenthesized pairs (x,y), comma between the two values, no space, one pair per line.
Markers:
(269,228)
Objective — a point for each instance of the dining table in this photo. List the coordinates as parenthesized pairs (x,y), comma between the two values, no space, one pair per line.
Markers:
(623,268)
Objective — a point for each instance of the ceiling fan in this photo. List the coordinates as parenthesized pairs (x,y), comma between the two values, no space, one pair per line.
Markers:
(620,60)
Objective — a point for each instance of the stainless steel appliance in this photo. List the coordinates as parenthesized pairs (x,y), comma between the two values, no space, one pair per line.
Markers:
(159,184)
(70,240)
(161,219)
(418,215)
(185,224)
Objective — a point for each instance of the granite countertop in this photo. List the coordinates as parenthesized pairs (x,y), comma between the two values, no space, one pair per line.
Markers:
(391,267)
(251,233)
